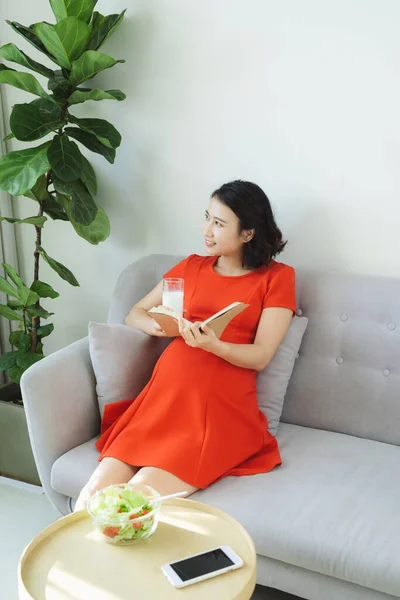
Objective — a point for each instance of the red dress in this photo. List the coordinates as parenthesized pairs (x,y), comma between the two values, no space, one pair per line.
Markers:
(198,416)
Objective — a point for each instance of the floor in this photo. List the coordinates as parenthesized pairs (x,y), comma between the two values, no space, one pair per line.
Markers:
(26,511)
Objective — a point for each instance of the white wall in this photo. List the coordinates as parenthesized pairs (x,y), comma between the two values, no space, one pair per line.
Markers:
(301,97)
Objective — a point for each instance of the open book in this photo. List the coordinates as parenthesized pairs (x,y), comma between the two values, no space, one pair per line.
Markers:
(167,319)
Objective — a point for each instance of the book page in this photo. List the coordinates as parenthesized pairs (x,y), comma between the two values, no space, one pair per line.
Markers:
(224,310)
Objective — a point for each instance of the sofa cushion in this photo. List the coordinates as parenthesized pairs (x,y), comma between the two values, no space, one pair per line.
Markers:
(273,381)
(332,507)
(123,359)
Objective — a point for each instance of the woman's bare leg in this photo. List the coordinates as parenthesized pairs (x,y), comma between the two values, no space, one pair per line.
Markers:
(162,481)
(110,470)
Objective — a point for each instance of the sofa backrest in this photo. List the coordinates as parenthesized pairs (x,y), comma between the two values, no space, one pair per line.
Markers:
(347,375)
(137,280)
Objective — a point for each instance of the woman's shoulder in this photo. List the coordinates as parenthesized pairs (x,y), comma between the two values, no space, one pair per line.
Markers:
(279,271)
(197,259)
(279,267)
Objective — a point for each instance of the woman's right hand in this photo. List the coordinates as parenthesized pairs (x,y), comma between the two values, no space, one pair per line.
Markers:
(156,330)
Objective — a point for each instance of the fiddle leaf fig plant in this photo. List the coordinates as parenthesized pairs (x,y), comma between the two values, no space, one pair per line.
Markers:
(55,174)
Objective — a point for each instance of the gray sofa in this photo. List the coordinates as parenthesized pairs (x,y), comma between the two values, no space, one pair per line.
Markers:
(326,524)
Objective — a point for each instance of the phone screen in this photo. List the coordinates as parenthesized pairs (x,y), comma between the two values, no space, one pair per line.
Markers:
(211,561)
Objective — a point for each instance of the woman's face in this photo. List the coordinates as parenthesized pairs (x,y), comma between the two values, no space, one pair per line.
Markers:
(220,230)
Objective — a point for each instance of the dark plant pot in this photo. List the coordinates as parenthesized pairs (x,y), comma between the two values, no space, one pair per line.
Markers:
(16,457)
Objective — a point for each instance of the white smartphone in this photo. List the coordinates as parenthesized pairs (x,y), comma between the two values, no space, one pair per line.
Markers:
(204,565)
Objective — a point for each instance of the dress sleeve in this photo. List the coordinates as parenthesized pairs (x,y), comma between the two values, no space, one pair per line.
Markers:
(281,290)
(178,271)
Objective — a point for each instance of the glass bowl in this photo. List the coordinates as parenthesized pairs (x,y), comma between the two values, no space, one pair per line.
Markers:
(121,513)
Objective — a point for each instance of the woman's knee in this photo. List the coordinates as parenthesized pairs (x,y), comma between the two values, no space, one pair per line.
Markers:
(112,470)
(109,471)
(162,481)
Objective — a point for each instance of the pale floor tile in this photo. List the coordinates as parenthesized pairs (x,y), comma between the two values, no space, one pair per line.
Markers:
(22,515)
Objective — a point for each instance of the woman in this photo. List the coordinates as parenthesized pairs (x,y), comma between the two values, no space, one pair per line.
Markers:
(197,420)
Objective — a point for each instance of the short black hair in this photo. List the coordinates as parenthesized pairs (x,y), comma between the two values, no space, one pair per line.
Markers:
(253,209)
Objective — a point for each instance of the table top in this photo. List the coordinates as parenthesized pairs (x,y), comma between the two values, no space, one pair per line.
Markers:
(69,561)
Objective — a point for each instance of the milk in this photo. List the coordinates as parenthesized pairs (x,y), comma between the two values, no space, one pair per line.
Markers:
(173,299)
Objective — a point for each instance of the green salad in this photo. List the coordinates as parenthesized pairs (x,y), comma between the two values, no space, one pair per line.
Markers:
(114,509)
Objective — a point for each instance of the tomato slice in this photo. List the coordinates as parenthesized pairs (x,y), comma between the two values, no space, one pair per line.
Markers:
(111,531)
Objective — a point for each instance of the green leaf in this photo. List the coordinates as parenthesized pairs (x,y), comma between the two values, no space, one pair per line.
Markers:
(97,231)
(65,41)
(8,359)
(83,207)
(7,288)
(106,133)
(29,122)
(95,94)
(89,64)
(28,34)
(62,271)
(91,142)
(58,80)
(15,304)
(23,81)
(20,170)
(44,290)
(15,373)
(52,208)
(65,158)
(81,9)
(20,340)
(27,297)
(50,110)
(60,86)
(45,330)
(38,312)
(28,359)
(10,136)
(88,176)
(38,192)
(37,221)
(102,28)
(9,313)
(13,275)
(13,54)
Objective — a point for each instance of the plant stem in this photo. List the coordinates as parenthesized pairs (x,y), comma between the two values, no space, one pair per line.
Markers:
(35,339)
(35,319)
(24,317)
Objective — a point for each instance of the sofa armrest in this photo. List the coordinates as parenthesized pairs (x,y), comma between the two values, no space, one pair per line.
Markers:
(59,394)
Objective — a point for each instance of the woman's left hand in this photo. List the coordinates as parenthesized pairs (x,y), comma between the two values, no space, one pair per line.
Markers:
(195,338)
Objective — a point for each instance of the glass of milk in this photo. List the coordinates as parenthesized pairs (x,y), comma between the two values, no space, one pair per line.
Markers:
(172,294)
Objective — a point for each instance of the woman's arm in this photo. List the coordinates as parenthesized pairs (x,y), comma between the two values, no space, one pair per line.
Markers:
(272,327)
(271,330)
(138,317)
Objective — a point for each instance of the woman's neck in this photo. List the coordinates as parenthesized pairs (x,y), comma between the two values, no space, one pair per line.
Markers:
(230,265)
